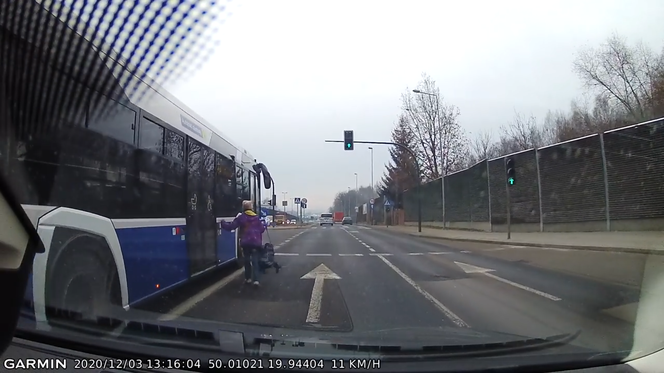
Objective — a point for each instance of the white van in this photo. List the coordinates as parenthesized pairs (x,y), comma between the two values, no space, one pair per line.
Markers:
(326,219)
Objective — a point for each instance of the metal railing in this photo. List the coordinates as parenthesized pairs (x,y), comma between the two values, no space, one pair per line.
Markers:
(609,179)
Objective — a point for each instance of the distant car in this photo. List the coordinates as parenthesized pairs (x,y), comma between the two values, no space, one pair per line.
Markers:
(326,219)
(347,220)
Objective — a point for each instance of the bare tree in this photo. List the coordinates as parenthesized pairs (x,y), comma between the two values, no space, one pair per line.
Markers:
(626,75)
(481,146)
(434,122)
(522,133)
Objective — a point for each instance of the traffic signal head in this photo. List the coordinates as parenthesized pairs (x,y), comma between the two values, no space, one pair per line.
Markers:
(348,140)
(511,171)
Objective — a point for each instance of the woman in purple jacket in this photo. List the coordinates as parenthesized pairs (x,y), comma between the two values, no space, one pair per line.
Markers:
(251,230)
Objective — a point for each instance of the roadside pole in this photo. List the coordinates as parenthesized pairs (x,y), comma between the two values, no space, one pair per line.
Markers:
(417,166)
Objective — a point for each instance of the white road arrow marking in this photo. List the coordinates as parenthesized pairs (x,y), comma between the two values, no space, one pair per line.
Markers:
(469,268)
(319,274)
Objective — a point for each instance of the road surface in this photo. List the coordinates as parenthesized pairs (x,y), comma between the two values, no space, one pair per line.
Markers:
(361,279)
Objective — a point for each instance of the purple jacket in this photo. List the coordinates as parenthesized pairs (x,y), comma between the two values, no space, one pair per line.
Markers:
(251,228)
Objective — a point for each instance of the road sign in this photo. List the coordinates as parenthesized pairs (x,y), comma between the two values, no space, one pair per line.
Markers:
(388,203)
(297,200)
(284,203)
(371,201)
(303,205)
(304,200)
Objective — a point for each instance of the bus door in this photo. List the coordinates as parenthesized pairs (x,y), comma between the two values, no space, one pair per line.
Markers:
(197,205)
(209,222)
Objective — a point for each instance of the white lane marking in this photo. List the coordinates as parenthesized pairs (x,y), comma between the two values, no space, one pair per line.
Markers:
(188,304)
(318,254)
(287,254)
(440,253)
(526,288)
(554,249)
(495,249)
(465,252)
(469,268)
(351,254)
(319,274)
(372,250)
(381,254)
(415,253)
(446,311)
(198,297)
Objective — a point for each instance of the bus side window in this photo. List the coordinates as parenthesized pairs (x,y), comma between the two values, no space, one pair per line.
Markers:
(151,136)
(225,193)
(112,118)
(174,145)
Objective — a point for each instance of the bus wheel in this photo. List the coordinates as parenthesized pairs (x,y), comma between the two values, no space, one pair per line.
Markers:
(84,283)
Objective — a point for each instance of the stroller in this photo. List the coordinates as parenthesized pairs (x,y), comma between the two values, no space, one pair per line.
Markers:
(267,258)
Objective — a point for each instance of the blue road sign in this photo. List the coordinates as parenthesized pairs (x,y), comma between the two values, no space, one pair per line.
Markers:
(388,203)
(297,200)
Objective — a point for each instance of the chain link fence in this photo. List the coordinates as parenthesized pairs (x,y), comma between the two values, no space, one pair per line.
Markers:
(608,181)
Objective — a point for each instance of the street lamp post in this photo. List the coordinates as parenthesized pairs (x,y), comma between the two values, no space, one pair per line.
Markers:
(373,191)
(356,199)
(442,158)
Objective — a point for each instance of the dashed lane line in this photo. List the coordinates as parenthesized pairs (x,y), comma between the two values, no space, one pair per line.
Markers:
(188,304)
(446,311)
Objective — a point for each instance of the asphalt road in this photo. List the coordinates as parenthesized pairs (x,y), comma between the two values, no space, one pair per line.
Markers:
(371,279)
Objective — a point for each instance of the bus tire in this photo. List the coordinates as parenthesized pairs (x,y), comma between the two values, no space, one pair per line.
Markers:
(84,281)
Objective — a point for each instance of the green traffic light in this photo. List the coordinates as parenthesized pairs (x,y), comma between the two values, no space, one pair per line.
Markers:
(510,181)
(348,145)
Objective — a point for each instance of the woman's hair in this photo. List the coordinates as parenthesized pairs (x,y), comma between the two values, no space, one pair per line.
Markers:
(247,205)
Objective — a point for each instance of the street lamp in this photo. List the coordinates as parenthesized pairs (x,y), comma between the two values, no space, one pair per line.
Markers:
(373,191)
(356,192)
(442,159)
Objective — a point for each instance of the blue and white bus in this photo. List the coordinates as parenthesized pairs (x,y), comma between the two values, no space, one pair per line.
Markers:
(126,192)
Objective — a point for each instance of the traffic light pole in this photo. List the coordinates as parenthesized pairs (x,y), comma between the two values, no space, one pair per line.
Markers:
(509,204)
(417,165)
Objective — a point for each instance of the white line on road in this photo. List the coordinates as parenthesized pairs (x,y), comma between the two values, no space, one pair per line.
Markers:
(381,254)
(318,254)
(469,268)
(446,311)
(440,252)
(415,253)
(372,250)
(188,304)
(287,254)
(466,252)
(194,300)
(526,288)
(351,254)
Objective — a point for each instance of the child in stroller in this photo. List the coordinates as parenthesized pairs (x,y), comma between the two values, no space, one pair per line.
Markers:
(267,259)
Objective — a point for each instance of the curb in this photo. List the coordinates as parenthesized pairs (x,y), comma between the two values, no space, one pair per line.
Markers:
(560,246)
(577,247)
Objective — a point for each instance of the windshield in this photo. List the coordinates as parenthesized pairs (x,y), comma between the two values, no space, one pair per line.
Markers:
(438,176)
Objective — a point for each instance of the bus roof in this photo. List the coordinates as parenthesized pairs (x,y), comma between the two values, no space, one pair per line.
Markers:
(149,95)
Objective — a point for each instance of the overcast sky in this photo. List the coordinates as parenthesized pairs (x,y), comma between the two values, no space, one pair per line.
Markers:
(289,74)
